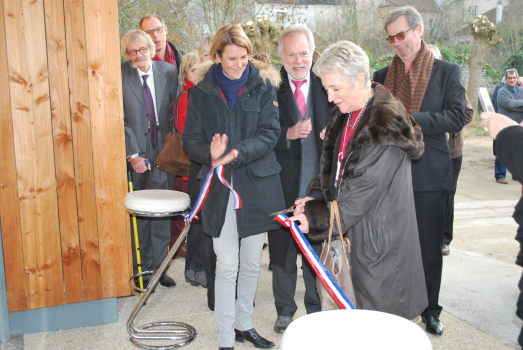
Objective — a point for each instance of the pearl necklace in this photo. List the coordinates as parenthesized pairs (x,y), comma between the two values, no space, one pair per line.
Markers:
(362,110)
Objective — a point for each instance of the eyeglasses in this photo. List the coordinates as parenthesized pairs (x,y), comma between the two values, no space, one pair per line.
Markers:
(158,30)
(134,52)
(401,36)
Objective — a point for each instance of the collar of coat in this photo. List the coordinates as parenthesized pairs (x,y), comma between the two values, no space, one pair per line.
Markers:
(384,122)
(258,72)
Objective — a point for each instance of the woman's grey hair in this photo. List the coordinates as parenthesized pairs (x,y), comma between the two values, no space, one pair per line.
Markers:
(294,29)
(413,17)
(346,58)
(134,36)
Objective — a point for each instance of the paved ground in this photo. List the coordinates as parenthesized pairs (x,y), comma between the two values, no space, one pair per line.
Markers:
(479,287)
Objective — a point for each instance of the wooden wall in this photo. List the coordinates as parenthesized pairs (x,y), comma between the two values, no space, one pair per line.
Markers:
(64,226)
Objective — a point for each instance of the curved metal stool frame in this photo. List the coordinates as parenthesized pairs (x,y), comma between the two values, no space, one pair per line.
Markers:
(180,332)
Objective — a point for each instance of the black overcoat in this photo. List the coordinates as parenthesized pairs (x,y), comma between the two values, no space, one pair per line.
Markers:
(289,155)
(442,111)
(253,129)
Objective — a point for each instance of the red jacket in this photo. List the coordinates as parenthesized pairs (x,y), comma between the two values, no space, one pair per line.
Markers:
(182,107)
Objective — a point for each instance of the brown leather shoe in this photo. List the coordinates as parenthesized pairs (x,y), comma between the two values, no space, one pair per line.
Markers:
(502,180)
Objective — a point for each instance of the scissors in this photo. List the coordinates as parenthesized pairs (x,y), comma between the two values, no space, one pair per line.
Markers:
(285,211)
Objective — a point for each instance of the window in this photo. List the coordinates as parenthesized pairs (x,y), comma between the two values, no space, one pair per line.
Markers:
(473,10)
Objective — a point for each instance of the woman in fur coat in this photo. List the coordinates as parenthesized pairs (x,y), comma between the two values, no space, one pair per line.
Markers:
(369,143)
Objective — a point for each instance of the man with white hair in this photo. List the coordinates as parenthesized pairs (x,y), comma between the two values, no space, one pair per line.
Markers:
(304,112)
(149,92)
(432,93)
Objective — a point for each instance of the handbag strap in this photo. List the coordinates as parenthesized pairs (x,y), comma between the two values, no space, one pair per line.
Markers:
(176,126)
(331,221)
(335,215)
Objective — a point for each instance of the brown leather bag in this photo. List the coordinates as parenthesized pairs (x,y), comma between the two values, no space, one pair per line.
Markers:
(339,266)
(172,158)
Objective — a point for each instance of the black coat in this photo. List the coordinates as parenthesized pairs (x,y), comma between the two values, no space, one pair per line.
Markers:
(509,144)
(442,110)
(178,55)
(376,204)
(253,129)
(289,154)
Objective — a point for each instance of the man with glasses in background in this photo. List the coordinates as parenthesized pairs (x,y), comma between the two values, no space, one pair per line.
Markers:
(510,104)
(432,92)
(165,51)
(149,91)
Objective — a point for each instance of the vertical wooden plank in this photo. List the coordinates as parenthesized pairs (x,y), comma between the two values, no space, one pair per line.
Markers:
(63,150)
(83,158)
(9,209)
(108,140)
(31,115)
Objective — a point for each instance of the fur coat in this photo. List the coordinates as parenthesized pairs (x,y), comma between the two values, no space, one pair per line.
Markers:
(376,203)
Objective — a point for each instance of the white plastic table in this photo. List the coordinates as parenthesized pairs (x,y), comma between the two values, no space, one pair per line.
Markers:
(354,329)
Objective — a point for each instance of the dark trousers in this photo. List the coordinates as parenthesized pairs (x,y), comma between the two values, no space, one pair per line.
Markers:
(154,234)
(519,309)
(284,285)
(500,172)
(209,266)
(430,215)
(449,213)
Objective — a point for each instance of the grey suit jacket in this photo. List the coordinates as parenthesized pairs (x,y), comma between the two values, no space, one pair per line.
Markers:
(136,120)
(511,104)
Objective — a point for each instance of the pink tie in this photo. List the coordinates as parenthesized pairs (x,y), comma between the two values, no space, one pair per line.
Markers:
(298,95)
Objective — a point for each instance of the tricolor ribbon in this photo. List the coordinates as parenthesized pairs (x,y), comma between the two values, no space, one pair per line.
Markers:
(205,191)
(321,271)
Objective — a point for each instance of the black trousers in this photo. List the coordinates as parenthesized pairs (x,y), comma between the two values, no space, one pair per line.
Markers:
(284,284)
(519,309)
(449,213)
(430,215)
(209,266)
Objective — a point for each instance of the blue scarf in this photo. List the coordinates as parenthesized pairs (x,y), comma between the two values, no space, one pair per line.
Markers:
(230,87)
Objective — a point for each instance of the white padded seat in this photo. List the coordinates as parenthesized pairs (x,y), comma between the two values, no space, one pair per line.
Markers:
(156,201)
(355,330)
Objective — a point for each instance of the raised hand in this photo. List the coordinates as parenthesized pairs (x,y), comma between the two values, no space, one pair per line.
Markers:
(218,145)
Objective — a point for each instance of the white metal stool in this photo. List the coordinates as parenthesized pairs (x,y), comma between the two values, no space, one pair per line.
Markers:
(354,329)
(158,203)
